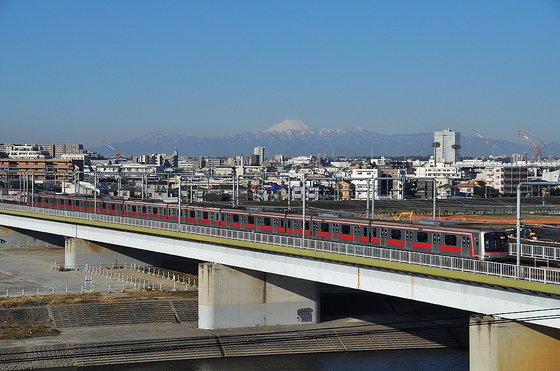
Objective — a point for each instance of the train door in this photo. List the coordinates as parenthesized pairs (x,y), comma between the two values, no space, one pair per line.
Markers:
(214,218)
(374,236)
(281,227)
(223,219)
(289,226)
(408,239)
(383,236)
(436,242)
(466,246)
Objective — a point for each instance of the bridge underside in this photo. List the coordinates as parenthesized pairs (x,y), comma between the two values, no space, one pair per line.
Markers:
(457,292)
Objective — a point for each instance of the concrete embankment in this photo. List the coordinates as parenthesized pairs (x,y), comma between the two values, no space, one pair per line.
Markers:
(148,331)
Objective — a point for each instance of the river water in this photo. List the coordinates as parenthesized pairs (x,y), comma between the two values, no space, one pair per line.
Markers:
(397,360)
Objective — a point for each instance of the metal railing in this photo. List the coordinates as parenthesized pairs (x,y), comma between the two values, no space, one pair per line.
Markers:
(487,268)
(536,251)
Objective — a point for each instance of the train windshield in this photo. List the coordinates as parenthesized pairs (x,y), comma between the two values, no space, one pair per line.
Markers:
(496,242)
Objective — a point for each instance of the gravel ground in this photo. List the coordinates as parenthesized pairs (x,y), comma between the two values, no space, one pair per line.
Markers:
(29,269)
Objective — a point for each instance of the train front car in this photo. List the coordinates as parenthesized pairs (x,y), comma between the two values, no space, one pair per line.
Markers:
(494,244)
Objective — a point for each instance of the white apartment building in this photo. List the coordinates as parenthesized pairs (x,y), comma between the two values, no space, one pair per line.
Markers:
(440,171)
(506,179)
(361,185)
(261,152)
(449,146)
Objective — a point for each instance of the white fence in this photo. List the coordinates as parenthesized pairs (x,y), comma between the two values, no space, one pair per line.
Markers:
(488,268)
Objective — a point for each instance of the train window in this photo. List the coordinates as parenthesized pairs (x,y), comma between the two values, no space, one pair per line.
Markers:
(243,219)
(306,226)
(154,210)
(422,236)
(356,231)
(250,219)
(223,217)
(281,223)
(324,227)
(365,231)
(450,240)
(315,226)
(374,232)
(335,228)
(345,229)
(205,215)
(144,210)
(289,224)
(112,206)
(103,205)
(133,208)
(267,222)
(463,241)
(236,218)
(296,224)
(259,220)
(396,234)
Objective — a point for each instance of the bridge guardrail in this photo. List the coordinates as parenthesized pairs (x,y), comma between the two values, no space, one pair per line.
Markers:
(536,251)
(488,268)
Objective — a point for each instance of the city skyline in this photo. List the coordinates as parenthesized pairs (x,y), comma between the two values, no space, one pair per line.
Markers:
(91,72)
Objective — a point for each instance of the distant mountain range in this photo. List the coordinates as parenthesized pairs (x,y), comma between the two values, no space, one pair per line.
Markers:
(293,138)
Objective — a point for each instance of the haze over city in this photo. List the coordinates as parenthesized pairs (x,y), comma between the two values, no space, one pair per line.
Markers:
(112,71)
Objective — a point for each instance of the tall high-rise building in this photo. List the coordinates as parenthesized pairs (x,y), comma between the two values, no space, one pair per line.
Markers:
(447,145)
(261,152)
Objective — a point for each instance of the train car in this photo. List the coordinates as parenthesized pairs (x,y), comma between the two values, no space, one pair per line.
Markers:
(433,237)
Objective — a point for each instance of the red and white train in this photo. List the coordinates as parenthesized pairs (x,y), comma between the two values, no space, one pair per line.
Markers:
(461,241)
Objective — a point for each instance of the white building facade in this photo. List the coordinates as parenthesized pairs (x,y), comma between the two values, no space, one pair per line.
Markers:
(449,146)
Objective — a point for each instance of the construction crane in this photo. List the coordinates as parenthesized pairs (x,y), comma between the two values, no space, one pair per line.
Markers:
(108,145)
(537,146)
(484,139)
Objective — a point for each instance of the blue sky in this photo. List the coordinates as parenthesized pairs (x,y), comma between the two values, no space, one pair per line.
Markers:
(87,71)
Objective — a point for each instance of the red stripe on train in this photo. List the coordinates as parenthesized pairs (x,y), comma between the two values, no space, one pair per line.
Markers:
(450,248)
(422,245)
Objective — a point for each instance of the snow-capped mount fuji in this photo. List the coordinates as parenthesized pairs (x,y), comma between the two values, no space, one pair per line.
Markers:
(288,125)
(294,138)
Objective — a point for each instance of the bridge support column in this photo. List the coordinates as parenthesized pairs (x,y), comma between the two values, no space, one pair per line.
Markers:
(79,252)
(234,297)
(498,344)
(20,237)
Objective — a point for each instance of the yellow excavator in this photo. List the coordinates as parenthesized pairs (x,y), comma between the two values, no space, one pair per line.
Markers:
(404,215)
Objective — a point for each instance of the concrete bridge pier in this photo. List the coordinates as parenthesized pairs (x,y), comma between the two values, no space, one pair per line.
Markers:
(79,252)
(498,344)
(235,297)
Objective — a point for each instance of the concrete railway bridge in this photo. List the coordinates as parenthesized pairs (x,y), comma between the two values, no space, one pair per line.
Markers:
(253,279)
